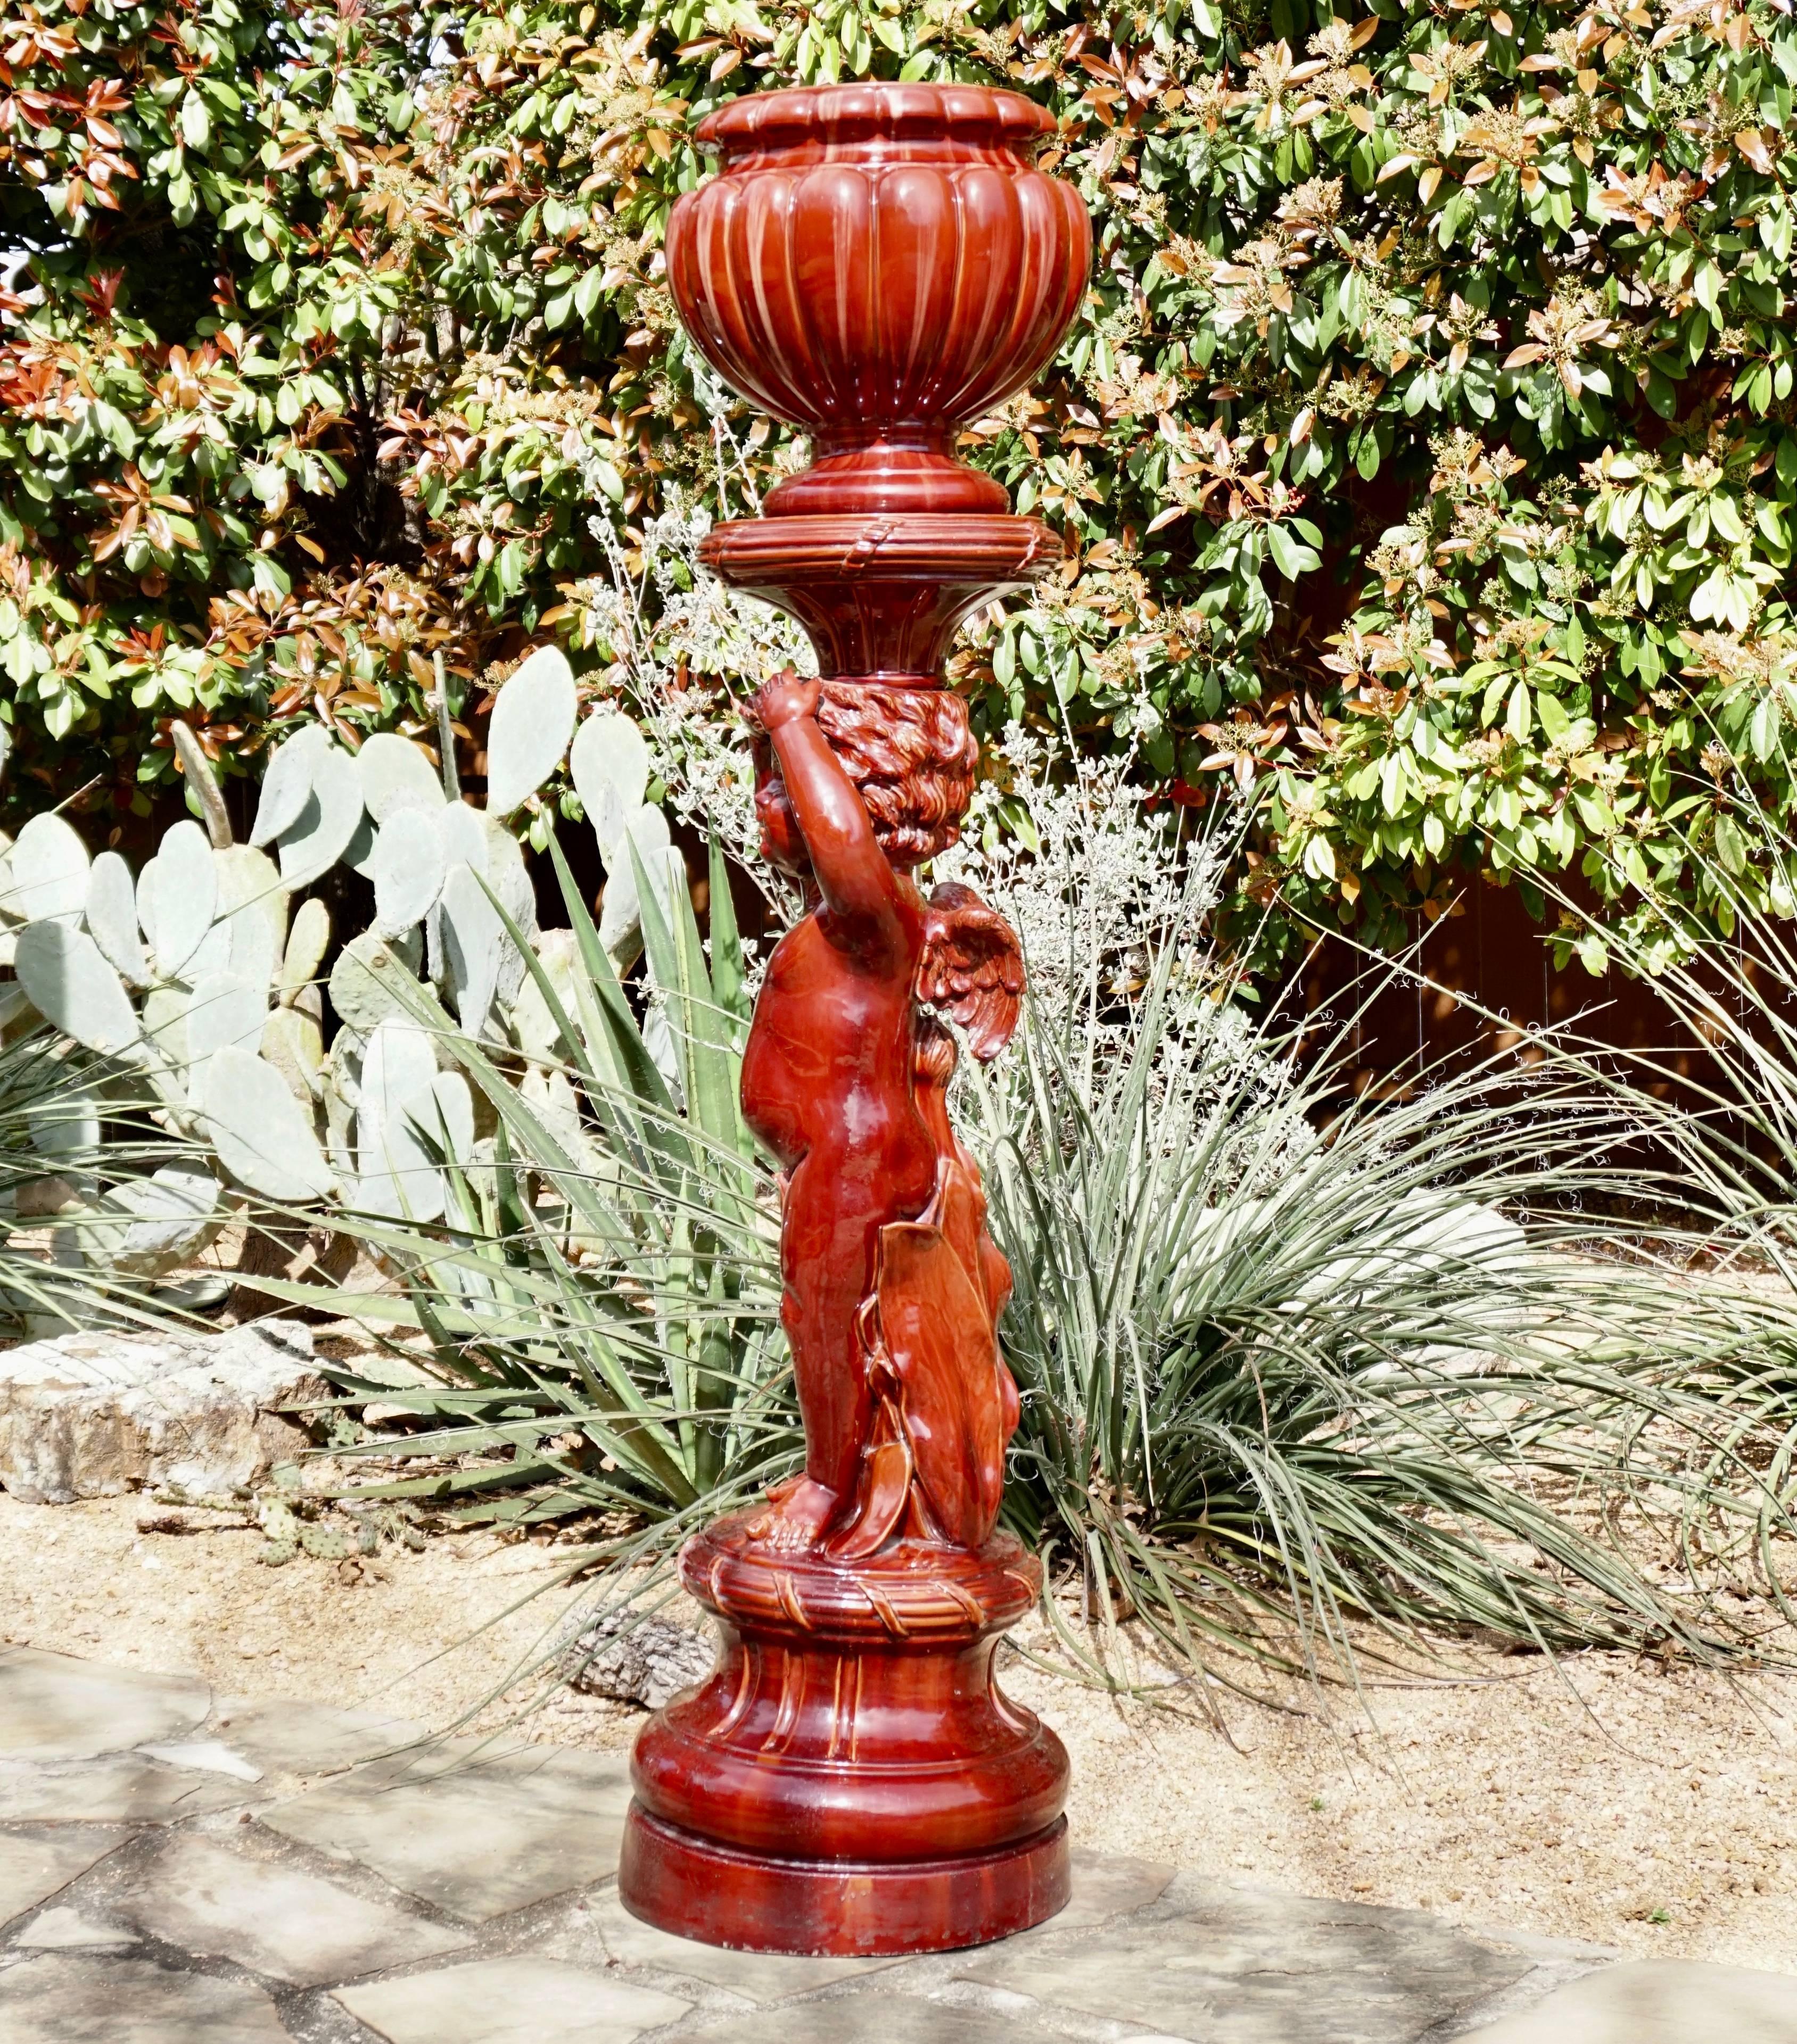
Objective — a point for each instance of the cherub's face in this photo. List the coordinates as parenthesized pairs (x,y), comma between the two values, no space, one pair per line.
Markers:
(782,843)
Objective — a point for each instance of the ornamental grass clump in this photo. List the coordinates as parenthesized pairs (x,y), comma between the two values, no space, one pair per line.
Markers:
(1717,1092)
(600,1298)
(100,1204)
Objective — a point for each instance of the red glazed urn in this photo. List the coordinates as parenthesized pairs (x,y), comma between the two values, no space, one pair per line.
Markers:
(878,264)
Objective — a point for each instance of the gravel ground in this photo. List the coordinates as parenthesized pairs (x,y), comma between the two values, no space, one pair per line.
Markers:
(1605,1801)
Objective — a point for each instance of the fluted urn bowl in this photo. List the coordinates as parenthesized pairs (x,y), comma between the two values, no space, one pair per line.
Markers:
(878,264)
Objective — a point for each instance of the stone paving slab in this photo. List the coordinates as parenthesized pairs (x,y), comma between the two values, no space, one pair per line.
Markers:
(64,1999)
(65,1930)
(1246,1965)
(276,1921)
(204,1756)
(1657,2001)
(511,2001)
(1105,1885)
(119,1789)
(881,2018)
(55,1708)
(477,1839)
(33,1869)
(756,1976)
(282,1738)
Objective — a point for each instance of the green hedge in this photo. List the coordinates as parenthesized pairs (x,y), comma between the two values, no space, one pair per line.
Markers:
(1424,451)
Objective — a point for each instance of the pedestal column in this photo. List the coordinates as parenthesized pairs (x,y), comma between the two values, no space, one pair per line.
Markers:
(877,264)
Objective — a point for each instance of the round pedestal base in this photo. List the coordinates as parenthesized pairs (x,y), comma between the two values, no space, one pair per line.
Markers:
(693,1888)
(851,1779)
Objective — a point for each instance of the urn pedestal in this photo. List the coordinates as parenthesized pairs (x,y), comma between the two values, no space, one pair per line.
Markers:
(877,264)
(851,1779)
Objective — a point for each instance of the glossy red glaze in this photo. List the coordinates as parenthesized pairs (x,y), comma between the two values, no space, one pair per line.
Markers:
(880,596)
(854,1714)
(880,263)
(837,1908)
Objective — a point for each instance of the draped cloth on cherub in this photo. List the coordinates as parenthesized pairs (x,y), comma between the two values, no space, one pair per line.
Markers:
(944,1404)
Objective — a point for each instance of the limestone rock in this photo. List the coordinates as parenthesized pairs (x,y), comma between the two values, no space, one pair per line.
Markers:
(646,1661)
(93,1415)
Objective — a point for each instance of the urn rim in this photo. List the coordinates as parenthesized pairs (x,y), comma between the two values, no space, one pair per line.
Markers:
(842,116)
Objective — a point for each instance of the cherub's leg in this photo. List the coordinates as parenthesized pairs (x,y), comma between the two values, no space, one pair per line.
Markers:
(827,1237)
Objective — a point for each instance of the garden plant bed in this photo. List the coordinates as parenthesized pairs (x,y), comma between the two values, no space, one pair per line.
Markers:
(686,994)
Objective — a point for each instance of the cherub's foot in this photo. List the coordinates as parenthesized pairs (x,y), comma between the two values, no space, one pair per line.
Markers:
(796,1516)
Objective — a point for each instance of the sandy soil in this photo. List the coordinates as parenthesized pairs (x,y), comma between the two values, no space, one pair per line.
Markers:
(1606,1801)
(1648,1810)
(82,1579)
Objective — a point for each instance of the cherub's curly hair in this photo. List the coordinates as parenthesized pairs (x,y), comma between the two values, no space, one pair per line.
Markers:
(911,755)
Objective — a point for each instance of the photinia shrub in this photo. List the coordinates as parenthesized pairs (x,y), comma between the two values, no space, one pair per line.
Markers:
(1424,453)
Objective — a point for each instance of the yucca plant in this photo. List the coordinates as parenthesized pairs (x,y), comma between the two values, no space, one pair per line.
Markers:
(1292,1366)
(1296,1363)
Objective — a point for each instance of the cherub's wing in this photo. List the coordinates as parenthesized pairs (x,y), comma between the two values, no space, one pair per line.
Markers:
(971,967)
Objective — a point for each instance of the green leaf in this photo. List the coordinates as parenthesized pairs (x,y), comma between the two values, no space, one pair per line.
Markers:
(1291,556)
(1495,689)
(1725,517)
(633,1103)
(728,977)
(1552,712)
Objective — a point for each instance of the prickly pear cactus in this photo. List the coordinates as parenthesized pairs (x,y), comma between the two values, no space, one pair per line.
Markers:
(200,976)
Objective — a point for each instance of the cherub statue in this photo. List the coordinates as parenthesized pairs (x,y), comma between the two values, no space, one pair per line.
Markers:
(892,1289)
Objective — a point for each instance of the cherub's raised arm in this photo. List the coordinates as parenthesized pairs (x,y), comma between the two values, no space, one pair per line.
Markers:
(853,873)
